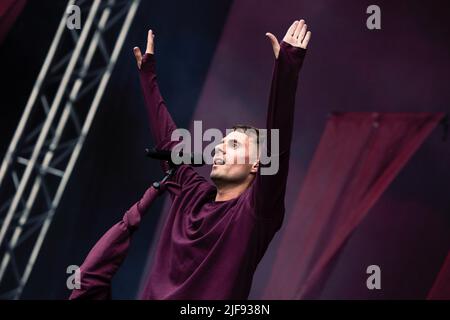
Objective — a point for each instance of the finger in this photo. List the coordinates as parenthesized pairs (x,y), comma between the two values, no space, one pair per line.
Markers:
(306,40)
(137,55)
(272,38)
(298,28)
(150,37)
(302,33)
(291,29)
(274,42)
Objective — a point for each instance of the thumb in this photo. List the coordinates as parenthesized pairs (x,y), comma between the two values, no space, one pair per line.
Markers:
(274,42)
(272,38)
(138,55)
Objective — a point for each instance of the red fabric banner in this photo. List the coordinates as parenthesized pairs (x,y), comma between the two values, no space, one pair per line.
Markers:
(441,286)
(358,156)
(9,11)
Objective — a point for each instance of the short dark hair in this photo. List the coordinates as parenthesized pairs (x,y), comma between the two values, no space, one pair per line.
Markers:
(244,128)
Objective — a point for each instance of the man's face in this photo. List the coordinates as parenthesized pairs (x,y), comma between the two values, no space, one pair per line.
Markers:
(235,158)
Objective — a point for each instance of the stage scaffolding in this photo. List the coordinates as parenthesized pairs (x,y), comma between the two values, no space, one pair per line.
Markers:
(50,135)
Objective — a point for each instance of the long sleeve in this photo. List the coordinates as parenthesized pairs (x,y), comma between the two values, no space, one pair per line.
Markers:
(159,119)
(109,252)
(268,191)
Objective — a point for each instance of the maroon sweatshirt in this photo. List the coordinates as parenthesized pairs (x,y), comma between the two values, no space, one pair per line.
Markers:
(208,249)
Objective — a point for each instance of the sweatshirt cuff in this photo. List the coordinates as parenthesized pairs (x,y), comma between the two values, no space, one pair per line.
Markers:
(294,55)
(148,63)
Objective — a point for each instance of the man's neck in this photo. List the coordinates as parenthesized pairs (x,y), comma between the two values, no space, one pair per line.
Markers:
(228,192)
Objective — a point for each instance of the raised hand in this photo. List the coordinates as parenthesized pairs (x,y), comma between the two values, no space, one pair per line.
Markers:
(150,48)
(297,36)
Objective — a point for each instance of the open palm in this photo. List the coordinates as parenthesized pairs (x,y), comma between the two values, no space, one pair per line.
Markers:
(297,36)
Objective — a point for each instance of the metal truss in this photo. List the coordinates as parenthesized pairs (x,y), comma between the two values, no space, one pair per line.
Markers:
(54,125)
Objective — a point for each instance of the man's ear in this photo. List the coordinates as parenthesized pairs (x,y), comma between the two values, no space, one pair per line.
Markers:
(255,167)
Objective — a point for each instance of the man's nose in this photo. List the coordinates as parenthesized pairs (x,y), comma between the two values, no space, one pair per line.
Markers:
(219,149)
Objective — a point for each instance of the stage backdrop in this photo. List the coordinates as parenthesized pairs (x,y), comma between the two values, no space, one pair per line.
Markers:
(358,156)
(400,68)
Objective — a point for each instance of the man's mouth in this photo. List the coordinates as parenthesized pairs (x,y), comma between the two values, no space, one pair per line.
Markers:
(219,161)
